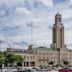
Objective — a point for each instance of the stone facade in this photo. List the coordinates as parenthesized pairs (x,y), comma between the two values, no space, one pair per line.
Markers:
(42,56)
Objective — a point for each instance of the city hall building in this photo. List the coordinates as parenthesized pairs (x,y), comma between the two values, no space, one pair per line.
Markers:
(41,56)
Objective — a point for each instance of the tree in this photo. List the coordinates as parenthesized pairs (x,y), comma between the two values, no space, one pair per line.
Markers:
(58,65)
(51,63)
(10,58)
(2,59)
(65,62)
(6,53)
(19,58)
(41,67)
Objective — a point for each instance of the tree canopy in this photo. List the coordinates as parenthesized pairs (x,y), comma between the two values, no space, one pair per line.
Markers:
(9,58)
(65,62)
(2,58)
(19,58)
(51,63)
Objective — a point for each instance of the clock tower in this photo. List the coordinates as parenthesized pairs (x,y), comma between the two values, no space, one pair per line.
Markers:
(58,33)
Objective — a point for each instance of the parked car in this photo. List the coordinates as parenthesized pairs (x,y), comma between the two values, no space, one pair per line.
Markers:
(65,70)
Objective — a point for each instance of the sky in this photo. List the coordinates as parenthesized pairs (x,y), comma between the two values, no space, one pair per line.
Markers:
(16,17)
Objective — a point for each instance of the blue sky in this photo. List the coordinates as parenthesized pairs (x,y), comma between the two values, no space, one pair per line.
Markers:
(17,15)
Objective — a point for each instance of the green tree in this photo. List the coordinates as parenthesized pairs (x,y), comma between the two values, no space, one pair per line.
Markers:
(2,58)
(19,58)
(41,67)
(6,53)
(65,62)
(10,58)
(51,63)
(58,65)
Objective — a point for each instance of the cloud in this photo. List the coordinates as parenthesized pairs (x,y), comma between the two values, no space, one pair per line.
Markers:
(21,43)
(47,2)
(58,1)
(2,13)
(71,1)
(1,37)
(21,10)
